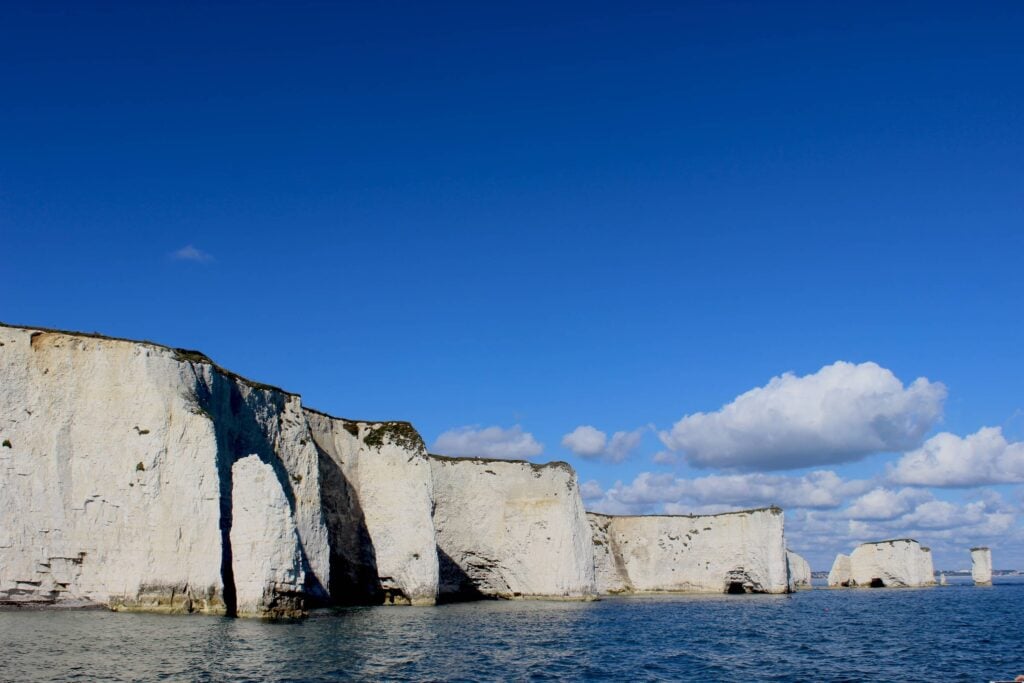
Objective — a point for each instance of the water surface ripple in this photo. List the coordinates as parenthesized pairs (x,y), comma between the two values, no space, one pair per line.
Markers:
(956,633)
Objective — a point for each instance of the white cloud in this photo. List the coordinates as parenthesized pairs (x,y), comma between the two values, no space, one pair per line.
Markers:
(882,503)
(590,490)
(984,457)
(841,413)
(591,443)
(488,442)
(585,441)
(665,458)
(652,492)
(191,253)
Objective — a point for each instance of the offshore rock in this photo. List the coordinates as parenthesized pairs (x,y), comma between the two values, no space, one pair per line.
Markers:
(981,566)
(899,563)
(799,571)
(839,576)
(734,552)
(510,529)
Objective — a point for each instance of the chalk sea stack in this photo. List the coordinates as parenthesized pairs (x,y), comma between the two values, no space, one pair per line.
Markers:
(981,566)
(897,563)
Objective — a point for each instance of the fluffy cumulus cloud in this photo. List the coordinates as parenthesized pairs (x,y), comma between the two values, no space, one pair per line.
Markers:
(488,442)
(984,457)
(882,503)
(191,253)
(653,492)
(591,443)
(841,413)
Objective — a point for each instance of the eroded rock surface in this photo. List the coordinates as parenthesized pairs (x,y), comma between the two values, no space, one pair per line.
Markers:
(510,529)
(981,566)
(799,571)
(378,498)
(839,575)
(116,473)
(732,552)
(897,563)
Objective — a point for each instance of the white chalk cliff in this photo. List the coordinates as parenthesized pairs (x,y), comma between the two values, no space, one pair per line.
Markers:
(378,495)
(839,575)
(117,472)
(731,552)
(897,563)
(799,571)
(981,566)
(510,529)
(143,477)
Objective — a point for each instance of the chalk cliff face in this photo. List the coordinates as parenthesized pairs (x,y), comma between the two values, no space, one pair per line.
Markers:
(839,576)
(141,477)
(896,563)
(378,496)
(799,571)
(117,472)
(732,552)
(510,529)
(266,555)
(981,566)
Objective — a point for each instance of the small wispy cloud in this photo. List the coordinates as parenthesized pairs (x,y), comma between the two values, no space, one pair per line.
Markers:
(191,253)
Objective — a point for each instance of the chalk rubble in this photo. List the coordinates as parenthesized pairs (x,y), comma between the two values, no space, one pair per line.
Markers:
(981,566)
(732,552)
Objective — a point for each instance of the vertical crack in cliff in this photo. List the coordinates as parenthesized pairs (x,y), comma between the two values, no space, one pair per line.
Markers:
(238,437)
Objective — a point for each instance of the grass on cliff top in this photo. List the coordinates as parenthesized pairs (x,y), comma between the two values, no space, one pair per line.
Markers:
(401,434)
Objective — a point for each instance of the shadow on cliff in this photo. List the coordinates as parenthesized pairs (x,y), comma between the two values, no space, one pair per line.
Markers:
(354,577)
(239,434)
(454,584)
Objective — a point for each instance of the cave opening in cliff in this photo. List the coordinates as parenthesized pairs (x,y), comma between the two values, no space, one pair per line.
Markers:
(735,588)
(877,583)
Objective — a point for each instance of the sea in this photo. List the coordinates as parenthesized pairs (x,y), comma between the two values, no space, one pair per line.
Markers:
(954,633)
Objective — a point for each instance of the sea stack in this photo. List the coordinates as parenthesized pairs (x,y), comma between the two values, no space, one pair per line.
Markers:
(799,571)
(839,576)
(733,552)
(981,566)
(901,562)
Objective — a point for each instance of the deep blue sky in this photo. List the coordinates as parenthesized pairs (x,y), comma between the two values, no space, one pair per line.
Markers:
(602,214)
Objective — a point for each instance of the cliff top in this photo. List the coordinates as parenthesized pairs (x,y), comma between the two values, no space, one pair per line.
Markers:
(193,356)
(557,464)
(980,547)
(892,540)
(772,509)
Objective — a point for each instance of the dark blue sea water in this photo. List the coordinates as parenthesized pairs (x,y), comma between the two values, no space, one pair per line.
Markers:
(955,633)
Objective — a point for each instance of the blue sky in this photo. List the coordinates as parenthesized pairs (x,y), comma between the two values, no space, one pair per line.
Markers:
(534,219)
